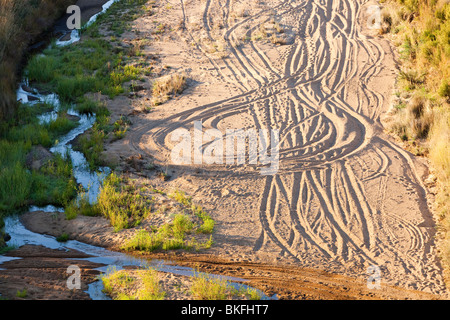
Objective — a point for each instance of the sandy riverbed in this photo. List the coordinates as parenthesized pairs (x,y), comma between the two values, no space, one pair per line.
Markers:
(346,196)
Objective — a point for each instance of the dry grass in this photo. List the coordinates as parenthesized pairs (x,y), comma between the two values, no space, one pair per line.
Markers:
(421,30)
(167,87)
(420,117)
(440,144)
(413,121)
(440,157)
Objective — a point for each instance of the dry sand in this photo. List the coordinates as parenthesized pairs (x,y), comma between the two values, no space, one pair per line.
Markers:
(346,195)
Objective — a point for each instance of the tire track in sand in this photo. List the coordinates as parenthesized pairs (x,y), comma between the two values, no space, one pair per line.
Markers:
(339,200)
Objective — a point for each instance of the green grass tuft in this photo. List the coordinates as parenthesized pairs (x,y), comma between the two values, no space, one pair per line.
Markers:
(122,205)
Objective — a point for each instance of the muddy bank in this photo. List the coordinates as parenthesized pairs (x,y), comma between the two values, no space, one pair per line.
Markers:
(40,273)
(92,230)
(175,281)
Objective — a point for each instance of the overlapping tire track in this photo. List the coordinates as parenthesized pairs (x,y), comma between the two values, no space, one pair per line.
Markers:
(318,206)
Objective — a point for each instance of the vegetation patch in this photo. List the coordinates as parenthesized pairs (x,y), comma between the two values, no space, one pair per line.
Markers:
(138,285)
(421,31)
(120,128)
(22,293)
(81,206)
(186,228)
(92,65)
(127,206)
(109,25)
(23,182)
(170,236)
(207,226)
(63,238)
(98,64)
(149,284)
(207,287)
(122,204)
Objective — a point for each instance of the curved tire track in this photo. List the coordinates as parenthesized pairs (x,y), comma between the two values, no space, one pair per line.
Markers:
(328,198)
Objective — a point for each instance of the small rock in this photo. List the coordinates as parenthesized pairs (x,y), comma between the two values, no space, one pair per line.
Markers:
(72,117)
(431,179)
(27,89)
(32,98)
(38,157)
(6,237)
(137,88)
